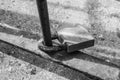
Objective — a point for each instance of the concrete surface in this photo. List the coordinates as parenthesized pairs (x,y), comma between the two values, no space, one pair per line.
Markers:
(99,17)
(96,69)
(14,69)
(103,71)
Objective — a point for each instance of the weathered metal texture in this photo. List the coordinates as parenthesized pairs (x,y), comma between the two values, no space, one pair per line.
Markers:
(72,60)
(78,46)
(44,18)
(17,44)
(37,60)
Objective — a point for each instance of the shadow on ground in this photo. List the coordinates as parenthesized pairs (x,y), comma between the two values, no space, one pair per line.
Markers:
(49,65)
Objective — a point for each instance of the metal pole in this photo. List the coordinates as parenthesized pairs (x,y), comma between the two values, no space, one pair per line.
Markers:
(44,18)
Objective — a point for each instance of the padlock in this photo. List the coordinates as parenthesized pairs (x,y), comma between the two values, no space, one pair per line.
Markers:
(69,39)
(75,38)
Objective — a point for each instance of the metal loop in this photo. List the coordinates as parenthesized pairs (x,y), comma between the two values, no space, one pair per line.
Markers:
(49,49)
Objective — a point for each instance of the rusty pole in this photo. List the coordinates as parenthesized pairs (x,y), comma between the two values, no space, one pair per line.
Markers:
(44,19)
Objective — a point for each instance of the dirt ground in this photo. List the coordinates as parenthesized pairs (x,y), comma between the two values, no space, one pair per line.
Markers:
(100,17)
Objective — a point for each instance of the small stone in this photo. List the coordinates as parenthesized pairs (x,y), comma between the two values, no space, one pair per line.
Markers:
(101,37)
(33,72)
(108,60)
